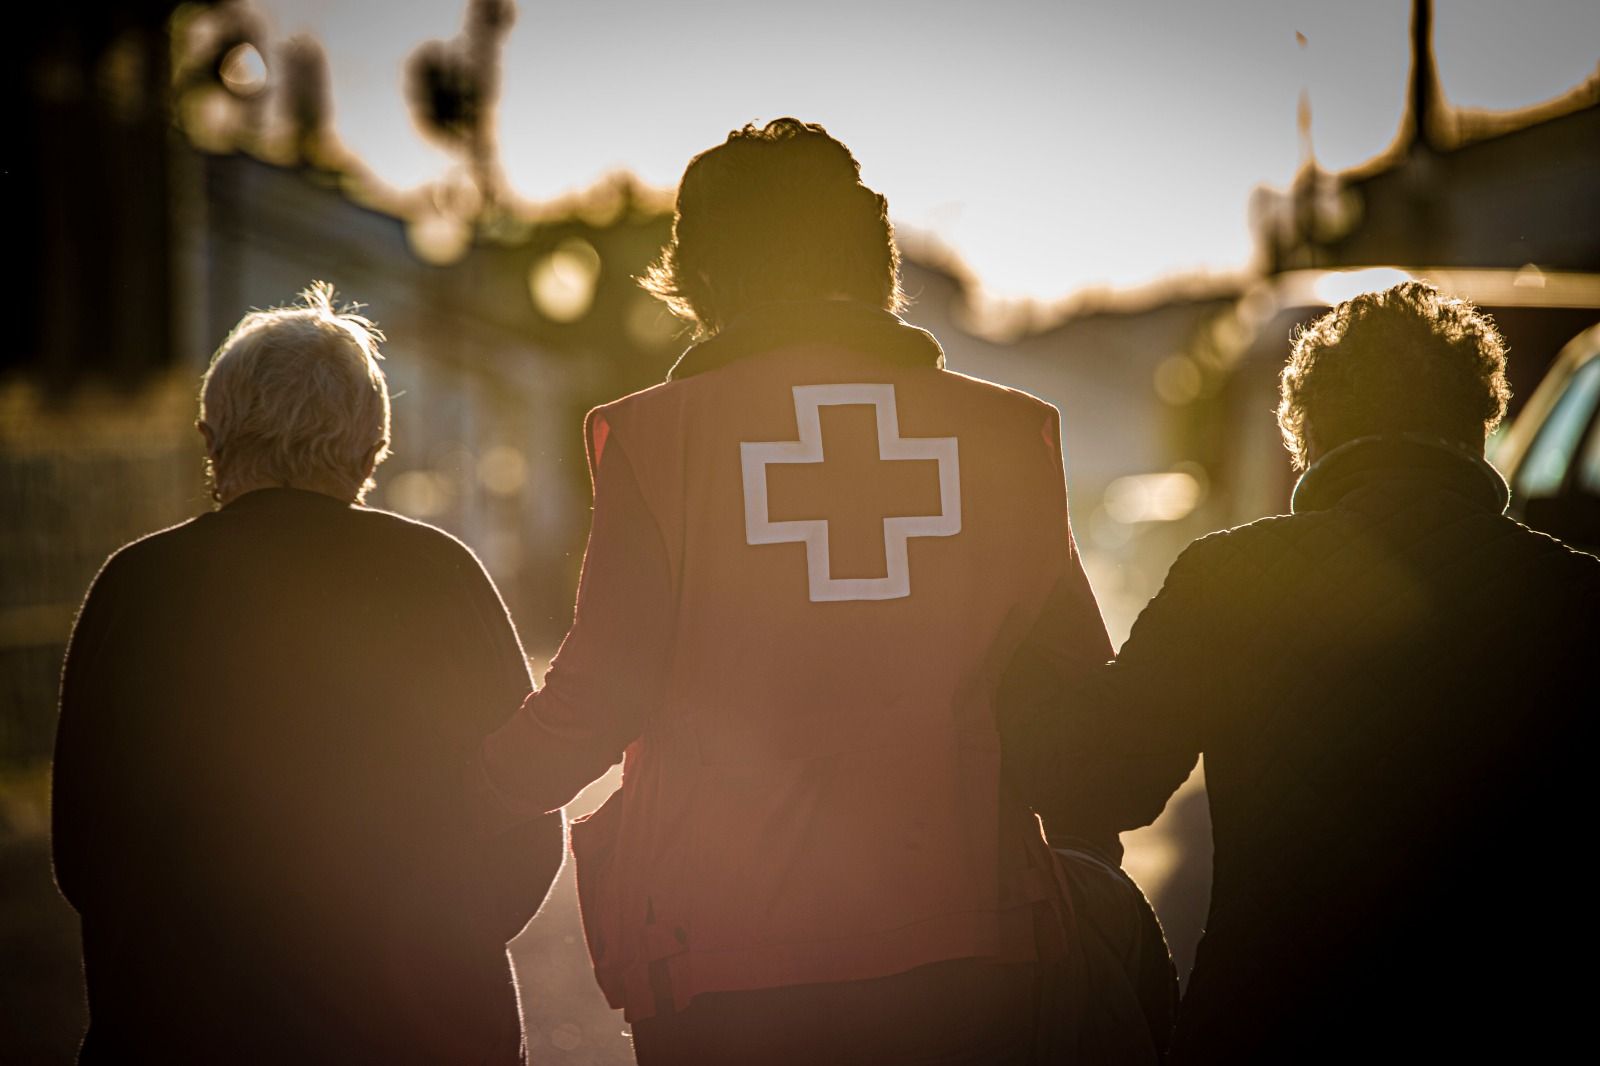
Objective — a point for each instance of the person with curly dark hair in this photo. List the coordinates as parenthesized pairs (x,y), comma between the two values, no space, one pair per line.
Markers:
(1408,360)
(814,553)
(1386,685)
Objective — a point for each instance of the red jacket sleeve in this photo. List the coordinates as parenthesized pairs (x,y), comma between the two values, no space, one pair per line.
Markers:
(601,684)
(1100,751)
(1066,644)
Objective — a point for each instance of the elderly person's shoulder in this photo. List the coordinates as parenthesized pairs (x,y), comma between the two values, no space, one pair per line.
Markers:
(1255,547)
(125,568)
(369,535)
(1277,540)
(415,536)
(1581,560)
(1347,566)
(209,545)
(1218,547)
(1555,568)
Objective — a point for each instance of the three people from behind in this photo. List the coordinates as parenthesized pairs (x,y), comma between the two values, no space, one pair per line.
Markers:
(826,579)
(265,713)
(1391,688)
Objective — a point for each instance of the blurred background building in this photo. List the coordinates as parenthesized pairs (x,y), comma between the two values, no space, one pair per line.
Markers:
(158,191)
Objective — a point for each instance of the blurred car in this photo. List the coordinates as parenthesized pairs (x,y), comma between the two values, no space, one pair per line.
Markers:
(1551,453)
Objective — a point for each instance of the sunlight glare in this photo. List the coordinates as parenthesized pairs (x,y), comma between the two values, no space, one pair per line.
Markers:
(1337,286)
(563,282)
(243,70)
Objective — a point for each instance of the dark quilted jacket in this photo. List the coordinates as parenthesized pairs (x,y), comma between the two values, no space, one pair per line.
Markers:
(1391,688)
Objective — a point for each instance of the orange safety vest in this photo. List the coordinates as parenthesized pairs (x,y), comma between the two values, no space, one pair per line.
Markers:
(857,547)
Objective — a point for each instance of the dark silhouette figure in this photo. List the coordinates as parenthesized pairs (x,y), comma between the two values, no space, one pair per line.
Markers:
(1391,687)
(814,554)
(265,715)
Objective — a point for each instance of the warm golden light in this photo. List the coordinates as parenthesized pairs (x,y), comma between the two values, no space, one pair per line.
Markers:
(1177,380)
(502,470)
(243,70)
(563,282)
(649,323)
(419,493)
(437,238)
(1164,497)
(210,117)
(1337,286)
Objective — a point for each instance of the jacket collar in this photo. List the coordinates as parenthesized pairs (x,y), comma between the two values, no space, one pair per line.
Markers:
(286,496)
(848,324)
(1414,461)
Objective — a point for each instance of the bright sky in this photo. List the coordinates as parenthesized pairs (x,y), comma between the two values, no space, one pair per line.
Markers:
(1053,145)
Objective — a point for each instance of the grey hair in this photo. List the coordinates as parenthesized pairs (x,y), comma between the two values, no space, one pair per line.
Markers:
(295,396)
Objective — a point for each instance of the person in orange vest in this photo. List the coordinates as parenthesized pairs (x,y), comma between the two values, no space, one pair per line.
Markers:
(815,556)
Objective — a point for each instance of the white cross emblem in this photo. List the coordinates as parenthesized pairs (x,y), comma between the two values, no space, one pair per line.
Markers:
(813,532)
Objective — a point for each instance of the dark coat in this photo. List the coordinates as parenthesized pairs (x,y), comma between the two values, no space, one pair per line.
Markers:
(1392,689)
(258,806)
(1116,990)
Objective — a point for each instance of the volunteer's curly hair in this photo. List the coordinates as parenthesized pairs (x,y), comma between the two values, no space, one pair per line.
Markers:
(777,212)
(295,396)
(1409,359)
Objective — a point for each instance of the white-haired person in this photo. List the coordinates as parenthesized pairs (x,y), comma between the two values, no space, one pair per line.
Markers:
(264,715)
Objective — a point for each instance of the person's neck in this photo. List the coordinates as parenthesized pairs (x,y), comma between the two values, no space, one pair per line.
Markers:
(849,324)
(236,490)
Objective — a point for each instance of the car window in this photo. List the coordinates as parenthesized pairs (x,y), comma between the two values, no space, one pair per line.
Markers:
(1588,480)
(1553,451)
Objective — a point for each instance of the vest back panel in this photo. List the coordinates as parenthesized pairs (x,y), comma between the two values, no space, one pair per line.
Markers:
(857,549)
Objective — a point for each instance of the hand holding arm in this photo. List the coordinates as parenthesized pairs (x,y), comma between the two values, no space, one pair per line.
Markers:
(609,670)
(1105,748)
